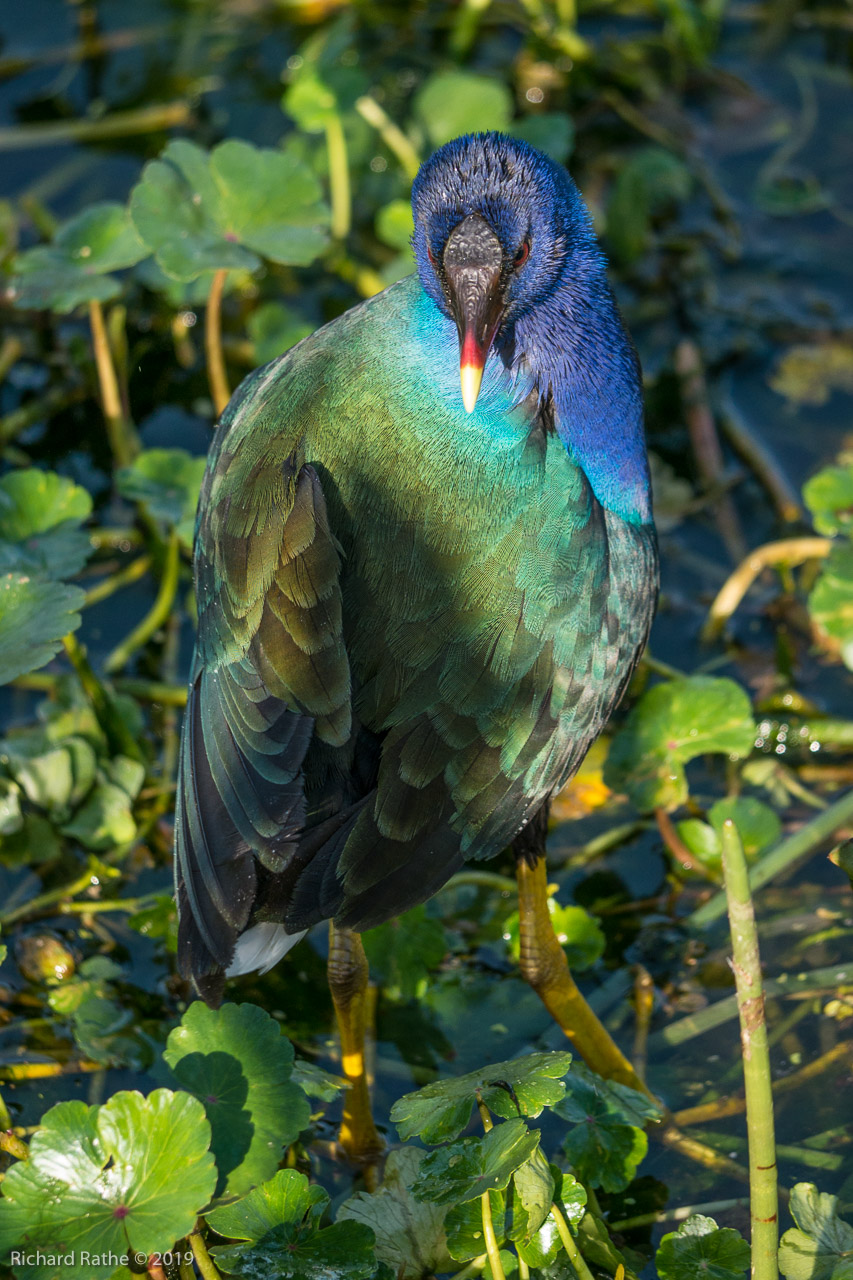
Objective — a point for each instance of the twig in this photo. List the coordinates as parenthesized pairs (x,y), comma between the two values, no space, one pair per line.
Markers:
(393,137)
(705,441)
(339,184)
(746,963)
(216,375)
(788,551)
(46,1070)
(788,851)
(123,578)
(157,614)
(121,124)
(681,1214)
(644,1000)
(120,433)
(758,457)
(678,848)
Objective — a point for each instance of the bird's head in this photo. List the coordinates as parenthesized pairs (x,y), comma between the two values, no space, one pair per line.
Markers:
(498,227)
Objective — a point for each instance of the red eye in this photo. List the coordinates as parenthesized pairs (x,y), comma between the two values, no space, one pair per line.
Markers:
(431,256)
(522,255)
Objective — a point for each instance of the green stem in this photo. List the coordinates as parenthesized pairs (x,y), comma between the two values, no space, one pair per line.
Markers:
(480,880)
(118,736)
(204,1262)
(339,184)
(681,1214)
(492,1251)
(788,851)
(393,137)
(48,899)
(157,614)
(121,124)
(171,695)
(216,376)
(569,1245)
(120,433)
(130,573)
(763,1190)
(474,1268)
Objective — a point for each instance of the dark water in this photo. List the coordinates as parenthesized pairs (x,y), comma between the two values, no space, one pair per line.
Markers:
(769,124)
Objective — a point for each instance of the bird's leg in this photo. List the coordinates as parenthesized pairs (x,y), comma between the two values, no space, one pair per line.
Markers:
(544,965)
(347,971)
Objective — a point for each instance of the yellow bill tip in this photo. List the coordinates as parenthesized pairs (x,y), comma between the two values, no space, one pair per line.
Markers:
(470,375)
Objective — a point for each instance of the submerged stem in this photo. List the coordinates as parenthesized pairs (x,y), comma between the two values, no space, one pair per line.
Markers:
(216,376)
(120,434)
(763,1191)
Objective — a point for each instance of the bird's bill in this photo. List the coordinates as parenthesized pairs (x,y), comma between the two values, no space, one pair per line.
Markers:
(473,269)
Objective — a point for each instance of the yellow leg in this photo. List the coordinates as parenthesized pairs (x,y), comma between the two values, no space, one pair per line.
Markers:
(348,983)
(544,965)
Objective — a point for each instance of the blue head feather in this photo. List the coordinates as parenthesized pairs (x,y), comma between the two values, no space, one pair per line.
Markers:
(560,324)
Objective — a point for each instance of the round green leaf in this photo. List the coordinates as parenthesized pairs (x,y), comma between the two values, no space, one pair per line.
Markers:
(451,103)
(202,211)
(550,131)
(440,1111)
(274,329)
(286,1198)
(465,1170)
(395,224)
(168,481)
(35,614)
(829,495)
(128,1177)
(578,933)
(671,725)
(325,84)
(701,1248)
(402,952)
(237,1062)
(820,1247)
(409,1233)
(40,515)
(831,601)
(74,269)
(464,1226)
(606,1142)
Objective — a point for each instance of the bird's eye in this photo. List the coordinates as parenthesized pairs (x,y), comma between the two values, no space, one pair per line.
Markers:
(522,255)
(431,256)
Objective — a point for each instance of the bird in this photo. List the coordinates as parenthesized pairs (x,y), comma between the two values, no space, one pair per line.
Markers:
(425,568)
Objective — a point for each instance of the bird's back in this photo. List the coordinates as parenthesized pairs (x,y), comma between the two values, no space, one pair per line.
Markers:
(431,609)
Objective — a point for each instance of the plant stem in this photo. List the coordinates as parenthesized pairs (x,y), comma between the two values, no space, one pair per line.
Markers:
(204,1262)
(492,1251)
(120,434)
(790,850)
(123,578)
(480,880)
(120,124)
(569,1245)
(759,458)
(678,848)
(763,1192)
(473,1268)
(788,551)
(157,614)
(681,1214)
(393,137)
(216,375)
(339,184)
(118,736)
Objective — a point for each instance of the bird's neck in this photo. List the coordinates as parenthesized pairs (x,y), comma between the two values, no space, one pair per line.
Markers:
(575,347)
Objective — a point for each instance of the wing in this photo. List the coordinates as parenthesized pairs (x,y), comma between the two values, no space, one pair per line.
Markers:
(270,677)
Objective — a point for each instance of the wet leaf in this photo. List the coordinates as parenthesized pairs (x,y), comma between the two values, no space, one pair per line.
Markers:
(820,1247)
(201,211)
(533,1185)
(286,1198)
(35,613)
(237,1062)
(829,494)
(316,1082)
(409,1233)
(40,517)
(579,934)
(464,1227)
(451,103)
(671,725)
(298,1251)
(831,601)
(130,1176)
(168,481)
(402,952)
(74,269)
(700,1247)
(605,1144)
(440,1111)
(468,1168)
